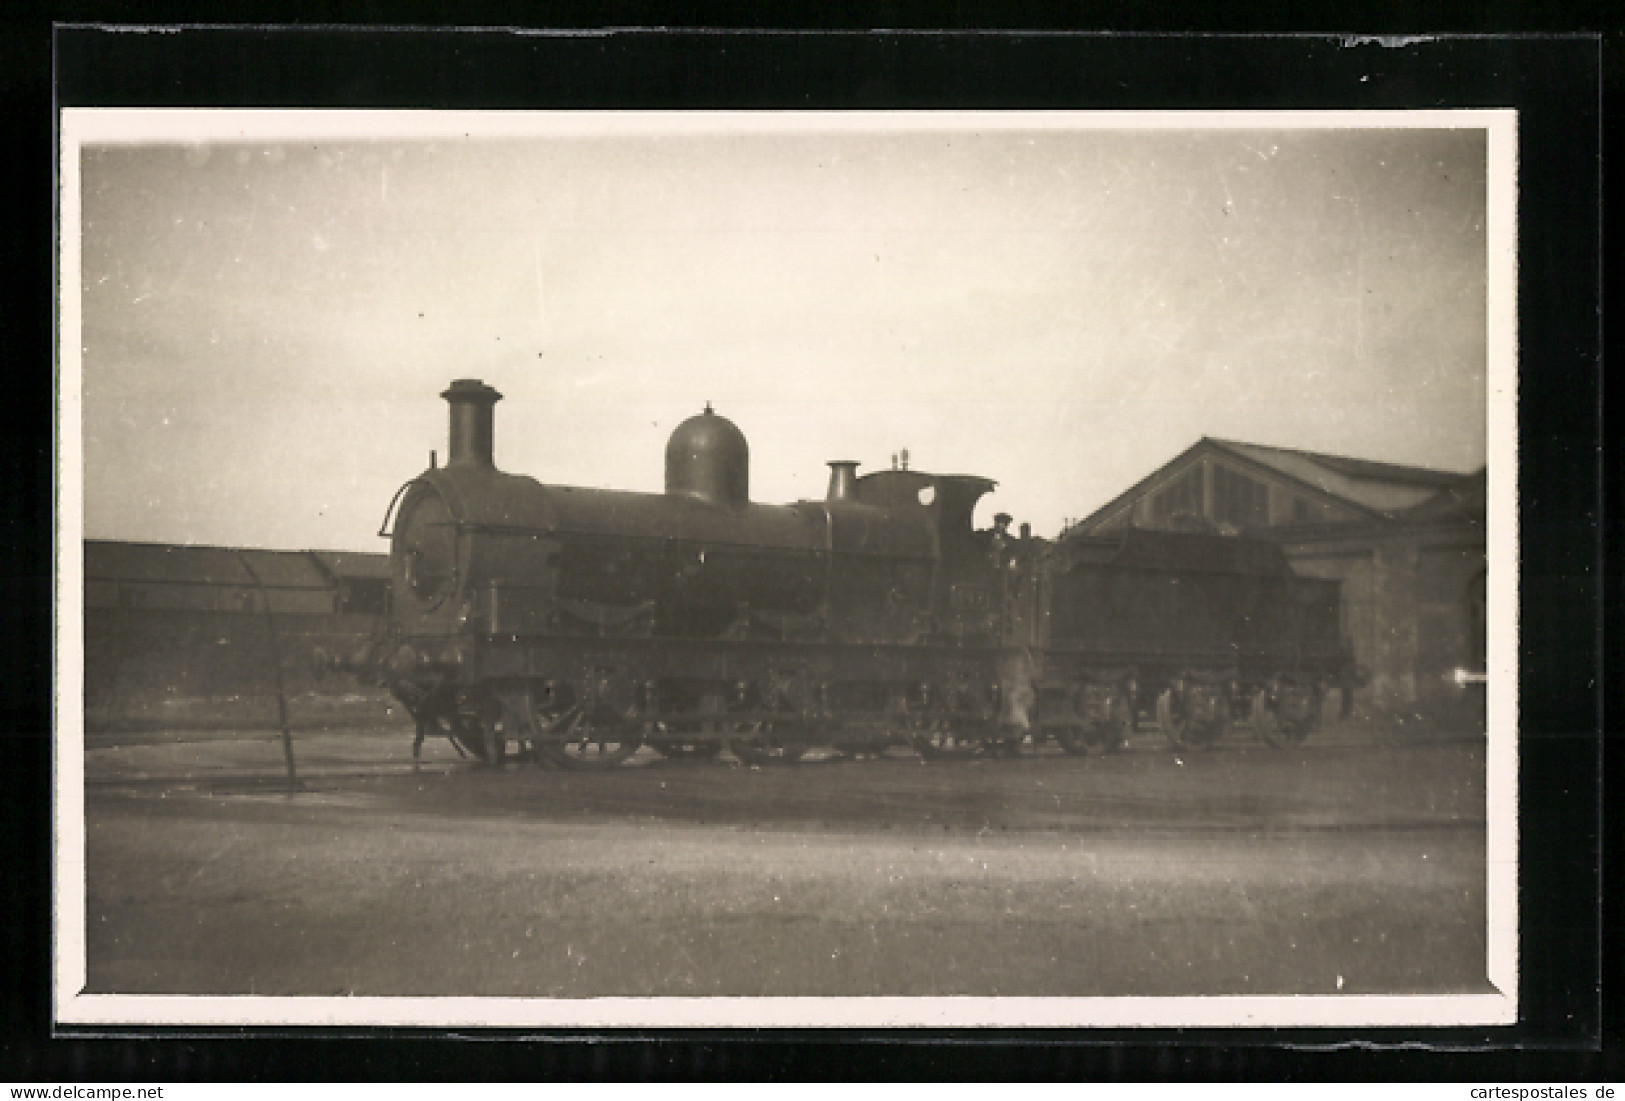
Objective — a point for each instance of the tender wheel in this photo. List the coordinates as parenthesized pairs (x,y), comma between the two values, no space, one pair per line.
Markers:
(1187,732)
(1210,732)
(685,751)
(1302,714)
(1265,721)
(759,744)
(1007,745)
(1173,720)
(853,749)
(1074,740)
(1121,726)
(681,744)
(1113,733)
(1110,736)
(937,740)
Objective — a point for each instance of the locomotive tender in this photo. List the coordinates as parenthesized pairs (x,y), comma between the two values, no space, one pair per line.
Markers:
(575,625)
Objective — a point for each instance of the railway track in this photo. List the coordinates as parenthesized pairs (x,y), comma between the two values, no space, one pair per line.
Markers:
(222,766)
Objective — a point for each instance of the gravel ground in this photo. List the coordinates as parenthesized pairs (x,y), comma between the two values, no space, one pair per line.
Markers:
(1336,867)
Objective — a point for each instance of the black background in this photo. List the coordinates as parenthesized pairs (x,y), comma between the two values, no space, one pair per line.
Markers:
(1555,81)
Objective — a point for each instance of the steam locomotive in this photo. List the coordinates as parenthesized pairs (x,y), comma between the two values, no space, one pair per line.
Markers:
(574,625)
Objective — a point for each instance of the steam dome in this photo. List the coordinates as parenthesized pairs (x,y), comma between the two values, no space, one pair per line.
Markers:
(707,457)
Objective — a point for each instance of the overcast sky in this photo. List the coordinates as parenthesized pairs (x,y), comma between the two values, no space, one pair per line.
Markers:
(267,322)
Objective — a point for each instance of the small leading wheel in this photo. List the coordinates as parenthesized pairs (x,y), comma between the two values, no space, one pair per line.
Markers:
(1074,740)
(1007,744)
(1172,718)
(1265,721)
(586,746)
(1300,713)
(591,751)
(759,744)
(1120,727)
(936,740)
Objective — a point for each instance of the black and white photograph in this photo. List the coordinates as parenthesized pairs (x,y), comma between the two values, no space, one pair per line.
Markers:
(798,569)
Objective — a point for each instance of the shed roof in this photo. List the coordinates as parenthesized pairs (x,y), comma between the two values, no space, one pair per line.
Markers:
(167,563)
(1375,490)
(1463,499)
(1360,469)
(1381,487)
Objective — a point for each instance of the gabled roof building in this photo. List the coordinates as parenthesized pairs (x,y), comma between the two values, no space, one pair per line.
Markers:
(180,633)
(159,576)
(1408,543)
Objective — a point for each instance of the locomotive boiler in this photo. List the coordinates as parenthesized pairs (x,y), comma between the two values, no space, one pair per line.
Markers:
(573,625)
(577,624)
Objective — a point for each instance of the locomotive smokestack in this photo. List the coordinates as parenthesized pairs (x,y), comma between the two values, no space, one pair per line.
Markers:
(843,480)
(472,432)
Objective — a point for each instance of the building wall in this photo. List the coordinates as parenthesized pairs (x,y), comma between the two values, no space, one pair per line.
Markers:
(203,596)
(179,668)
(1355,567)
(1413,607)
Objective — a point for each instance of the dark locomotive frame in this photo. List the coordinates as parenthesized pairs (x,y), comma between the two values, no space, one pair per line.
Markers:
(574,626)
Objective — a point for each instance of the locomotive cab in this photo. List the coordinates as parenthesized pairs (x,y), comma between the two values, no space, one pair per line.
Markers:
(971,593)
(950,499)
